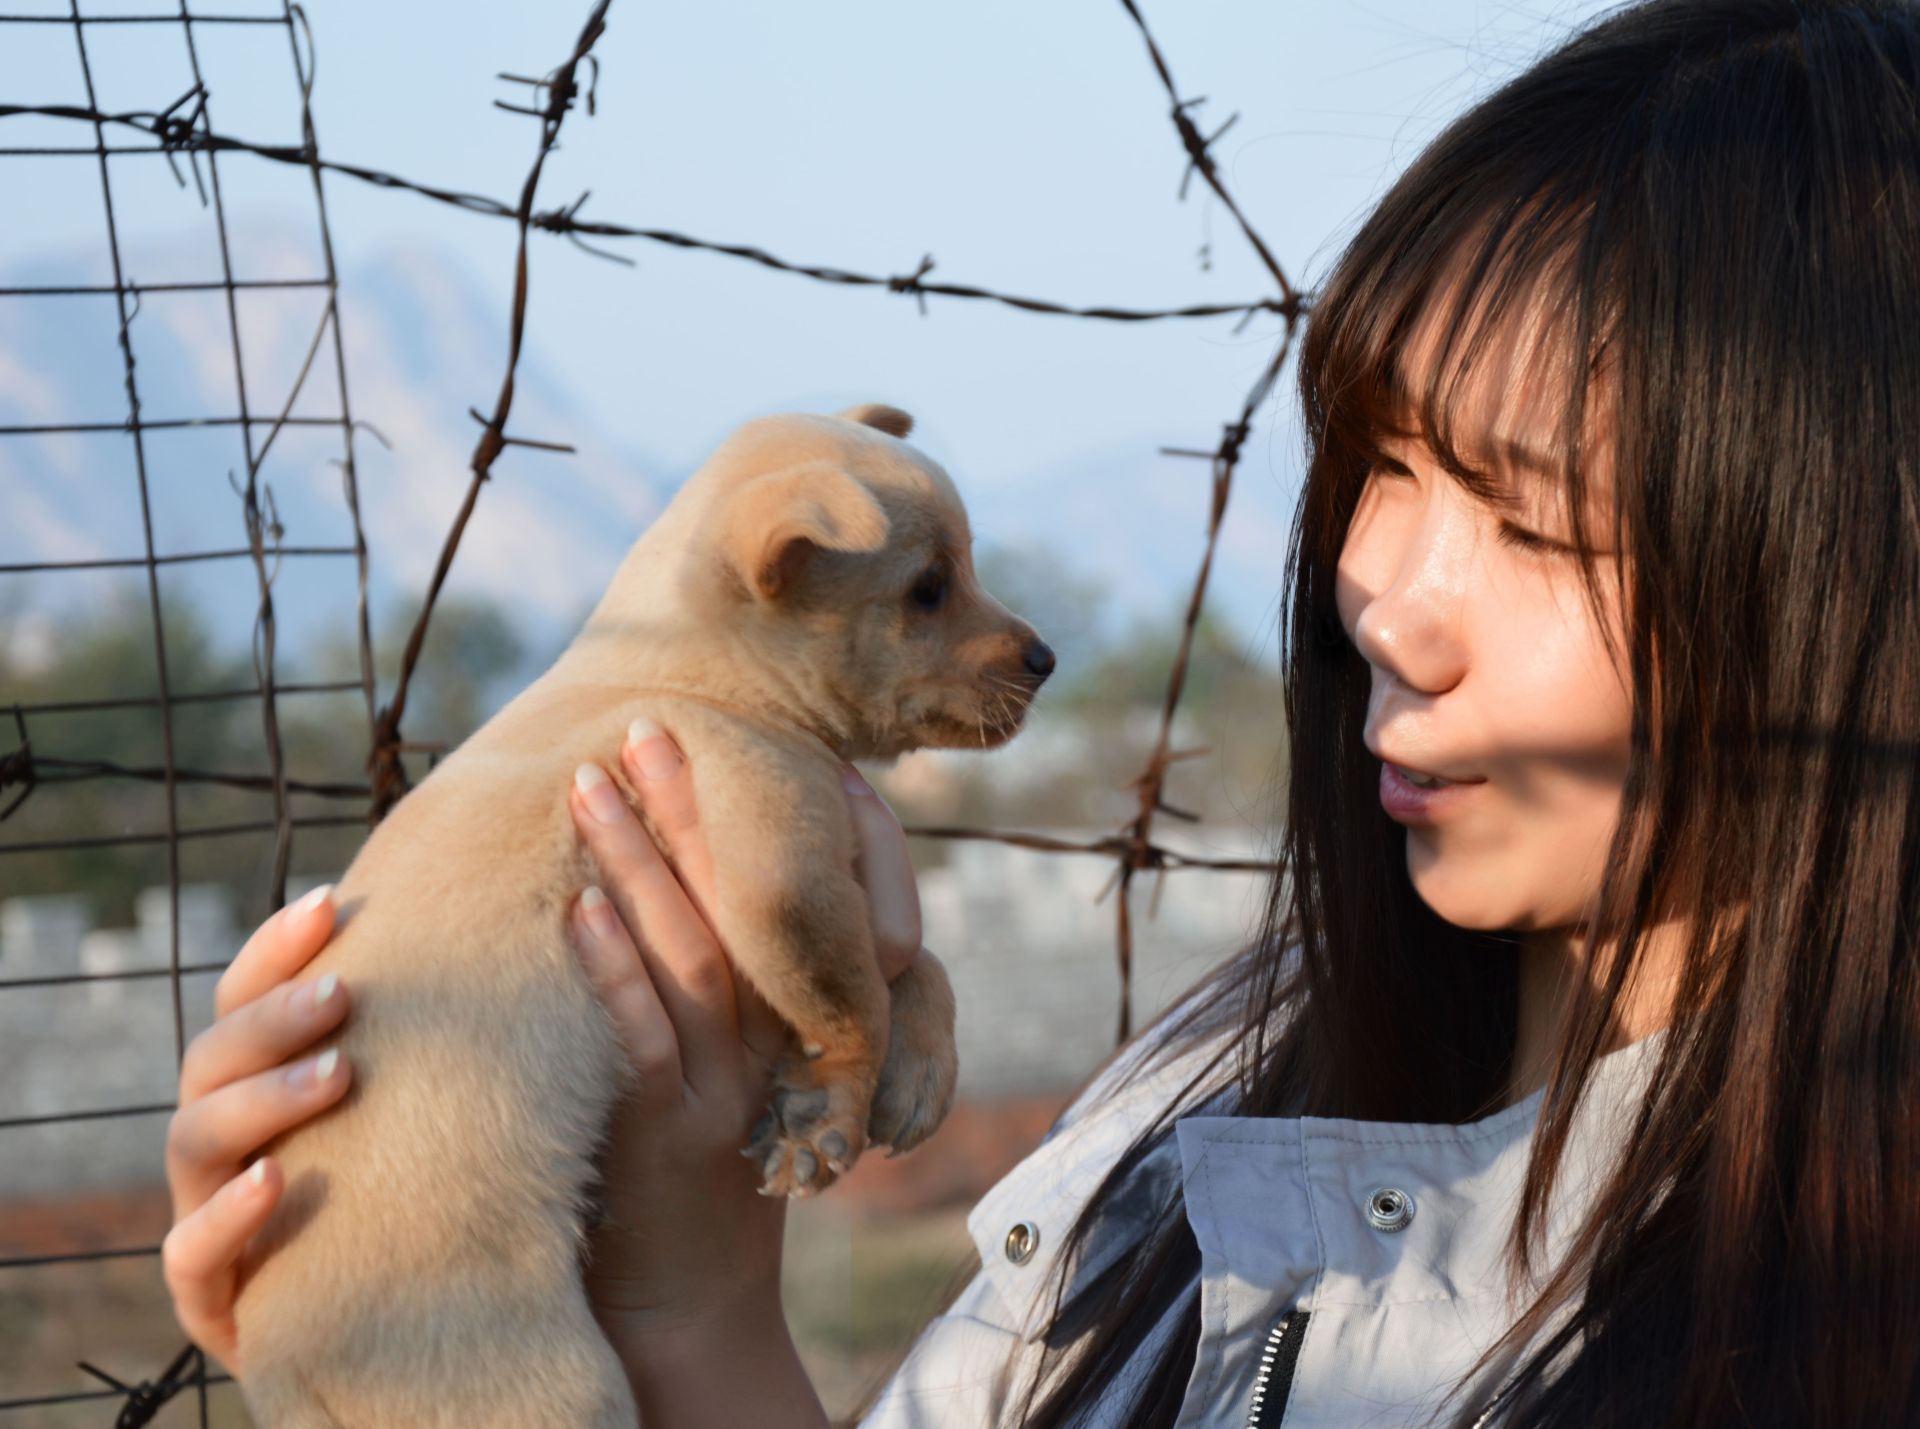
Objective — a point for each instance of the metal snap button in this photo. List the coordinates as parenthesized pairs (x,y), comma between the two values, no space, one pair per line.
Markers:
(1389,1209)
(1022,1241)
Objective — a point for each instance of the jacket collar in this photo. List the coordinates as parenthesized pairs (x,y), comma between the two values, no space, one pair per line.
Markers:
(1469,1176)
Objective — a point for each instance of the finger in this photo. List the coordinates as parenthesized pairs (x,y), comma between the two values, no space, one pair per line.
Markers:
(684,960)
(261,1034)
(278,949)
(619,976)
(663,780)
(210,1139)
(886,870)
(200,1257)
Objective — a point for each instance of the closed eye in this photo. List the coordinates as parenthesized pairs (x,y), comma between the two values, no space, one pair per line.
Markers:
(1526,540)
(1516,537)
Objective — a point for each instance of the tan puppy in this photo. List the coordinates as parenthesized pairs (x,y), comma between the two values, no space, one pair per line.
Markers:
(807,597)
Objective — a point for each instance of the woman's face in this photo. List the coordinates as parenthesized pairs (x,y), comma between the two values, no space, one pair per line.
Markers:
(1487,666)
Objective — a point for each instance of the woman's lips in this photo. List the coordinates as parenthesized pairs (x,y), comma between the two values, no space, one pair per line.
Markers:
(1409,803)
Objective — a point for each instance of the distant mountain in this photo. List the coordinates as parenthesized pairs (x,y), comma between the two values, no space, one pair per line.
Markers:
(423,344)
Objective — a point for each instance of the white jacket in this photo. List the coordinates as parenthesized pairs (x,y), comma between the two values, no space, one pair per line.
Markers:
(1397,1304)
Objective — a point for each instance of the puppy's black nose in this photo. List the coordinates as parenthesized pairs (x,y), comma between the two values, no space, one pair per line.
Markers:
(1039,659)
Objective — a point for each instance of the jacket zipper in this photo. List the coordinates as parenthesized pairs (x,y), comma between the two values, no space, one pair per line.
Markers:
(1277,1363)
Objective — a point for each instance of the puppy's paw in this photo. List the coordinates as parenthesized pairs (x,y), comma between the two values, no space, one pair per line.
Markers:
(815,1131)
(914,1096)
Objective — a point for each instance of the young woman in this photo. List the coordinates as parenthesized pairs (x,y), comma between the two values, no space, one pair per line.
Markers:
(1573,1077)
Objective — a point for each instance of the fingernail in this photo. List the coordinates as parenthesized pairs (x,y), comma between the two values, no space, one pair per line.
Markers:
(599,912)
(257,1173)
(603,800)
(313,996)
(853,781)
(655,755)
(312,900)
(314,1070)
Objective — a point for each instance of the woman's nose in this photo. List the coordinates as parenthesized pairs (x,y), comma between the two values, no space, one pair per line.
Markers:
(1413,569)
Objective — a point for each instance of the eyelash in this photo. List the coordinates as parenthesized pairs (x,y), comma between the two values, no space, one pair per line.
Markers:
(1526,540)
(1508,535)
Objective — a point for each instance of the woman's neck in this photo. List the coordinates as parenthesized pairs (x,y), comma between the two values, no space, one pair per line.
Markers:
(1550,971)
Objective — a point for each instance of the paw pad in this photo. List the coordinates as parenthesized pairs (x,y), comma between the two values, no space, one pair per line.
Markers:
(807,1139)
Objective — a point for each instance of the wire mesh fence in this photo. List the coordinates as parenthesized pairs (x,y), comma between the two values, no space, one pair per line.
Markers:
(98,130)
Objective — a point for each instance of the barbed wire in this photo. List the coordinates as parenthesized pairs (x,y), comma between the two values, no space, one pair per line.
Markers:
(184,129)
(390,782)
(566,221)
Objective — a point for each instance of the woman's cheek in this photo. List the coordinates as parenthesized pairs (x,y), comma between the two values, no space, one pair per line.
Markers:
(1526,861)
(1532,854)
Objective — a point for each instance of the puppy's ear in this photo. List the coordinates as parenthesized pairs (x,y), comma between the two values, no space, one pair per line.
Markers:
(772,525)
(891,420)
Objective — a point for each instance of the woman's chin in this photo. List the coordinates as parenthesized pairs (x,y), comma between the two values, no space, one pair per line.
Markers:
(1468,905)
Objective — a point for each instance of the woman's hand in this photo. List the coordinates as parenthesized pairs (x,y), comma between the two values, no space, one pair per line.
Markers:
(688,1240)
(240,1086)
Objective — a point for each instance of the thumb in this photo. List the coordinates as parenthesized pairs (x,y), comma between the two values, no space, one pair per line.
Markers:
(886,870)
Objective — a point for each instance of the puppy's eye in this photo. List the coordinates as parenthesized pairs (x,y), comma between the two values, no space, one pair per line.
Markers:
(930,591)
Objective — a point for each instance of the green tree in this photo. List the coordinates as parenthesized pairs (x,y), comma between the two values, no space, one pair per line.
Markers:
(96,770)
(1133,672)
(108,653)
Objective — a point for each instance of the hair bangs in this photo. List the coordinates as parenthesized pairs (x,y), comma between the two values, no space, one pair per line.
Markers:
(1484,340)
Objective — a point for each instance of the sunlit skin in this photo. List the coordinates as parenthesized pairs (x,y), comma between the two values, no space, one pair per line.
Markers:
(1487,664)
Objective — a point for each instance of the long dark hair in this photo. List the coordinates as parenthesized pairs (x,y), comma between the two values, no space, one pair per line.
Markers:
(1718,201)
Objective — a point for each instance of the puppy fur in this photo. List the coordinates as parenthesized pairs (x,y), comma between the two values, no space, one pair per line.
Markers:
(807,597)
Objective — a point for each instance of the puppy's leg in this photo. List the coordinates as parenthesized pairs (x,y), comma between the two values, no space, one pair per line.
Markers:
(814,964)
(917,1079)
(794,919)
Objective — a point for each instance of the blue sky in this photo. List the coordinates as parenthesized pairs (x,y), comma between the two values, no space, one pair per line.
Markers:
(1026,146)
